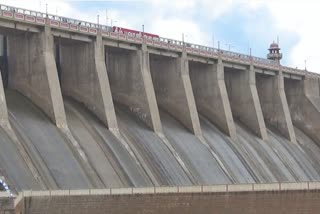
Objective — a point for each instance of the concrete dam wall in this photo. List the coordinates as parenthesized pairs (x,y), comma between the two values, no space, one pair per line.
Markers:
(82,111)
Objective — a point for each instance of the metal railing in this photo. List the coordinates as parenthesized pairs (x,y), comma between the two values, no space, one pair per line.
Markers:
(89,27)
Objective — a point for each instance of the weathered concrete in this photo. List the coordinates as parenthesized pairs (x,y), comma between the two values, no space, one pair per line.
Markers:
(5,124)
(274,104)
(245,104)
(4,120)
(6,205)
(304,104)
(131,84)
(175,95)
(249,198)
(33,72)
(211,95)
(84,77)
(174,91)
(144,56)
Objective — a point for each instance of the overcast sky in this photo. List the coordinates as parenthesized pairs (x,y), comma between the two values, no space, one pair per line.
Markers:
(237,24)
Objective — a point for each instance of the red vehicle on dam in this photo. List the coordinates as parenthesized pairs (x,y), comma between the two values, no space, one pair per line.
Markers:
(133,32)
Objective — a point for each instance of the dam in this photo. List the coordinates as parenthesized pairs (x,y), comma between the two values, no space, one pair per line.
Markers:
(88,114)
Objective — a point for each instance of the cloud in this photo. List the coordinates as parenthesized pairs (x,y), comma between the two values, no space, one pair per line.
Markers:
(301,18)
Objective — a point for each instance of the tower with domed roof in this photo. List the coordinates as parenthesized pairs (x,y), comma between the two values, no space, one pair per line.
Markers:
(274,53)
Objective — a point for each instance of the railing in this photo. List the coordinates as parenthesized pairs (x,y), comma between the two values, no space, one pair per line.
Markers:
(166,43)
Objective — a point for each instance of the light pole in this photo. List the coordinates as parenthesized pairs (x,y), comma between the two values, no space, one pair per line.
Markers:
(142,30)
(305,65)
(229,46)
(213,40)
(107,17)
(98,17)
(47,9)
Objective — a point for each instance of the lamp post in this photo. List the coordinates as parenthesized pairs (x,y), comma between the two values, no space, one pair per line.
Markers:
(213,40)
(229,45)
(98,17)
(107,17)
(142,30)
(305,65)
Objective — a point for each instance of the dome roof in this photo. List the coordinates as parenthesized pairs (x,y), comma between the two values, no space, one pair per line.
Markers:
(274,46)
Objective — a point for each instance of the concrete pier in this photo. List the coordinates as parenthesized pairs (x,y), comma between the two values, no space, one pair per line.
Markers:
(33,72)
(304,104)
(211,95)
(84,77)
(245,103)
(173,89)
(131,84)
(274,104)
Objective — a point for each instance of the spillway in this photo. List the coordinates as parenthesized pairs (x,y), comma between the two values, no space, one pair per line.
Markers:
(233,159)
(252,160)
(13,166)
(112,162)
(154,151)
(47,145)
(249,160)
(204,167)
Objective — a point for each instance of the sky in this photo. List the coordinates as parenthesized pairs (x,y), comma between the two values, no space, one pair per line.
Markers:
(237,25)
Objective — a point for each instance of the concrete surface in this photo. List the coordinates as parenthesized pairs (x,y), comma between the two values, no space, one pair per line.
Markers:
(13,152)
(251,198)
(6,205)
(211,95)
(158,157)
(33,72)
(274,104)
(304,104)
(84,77)
(131,84)
(51,150)
(174,91)
(146,152)
(244,100)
